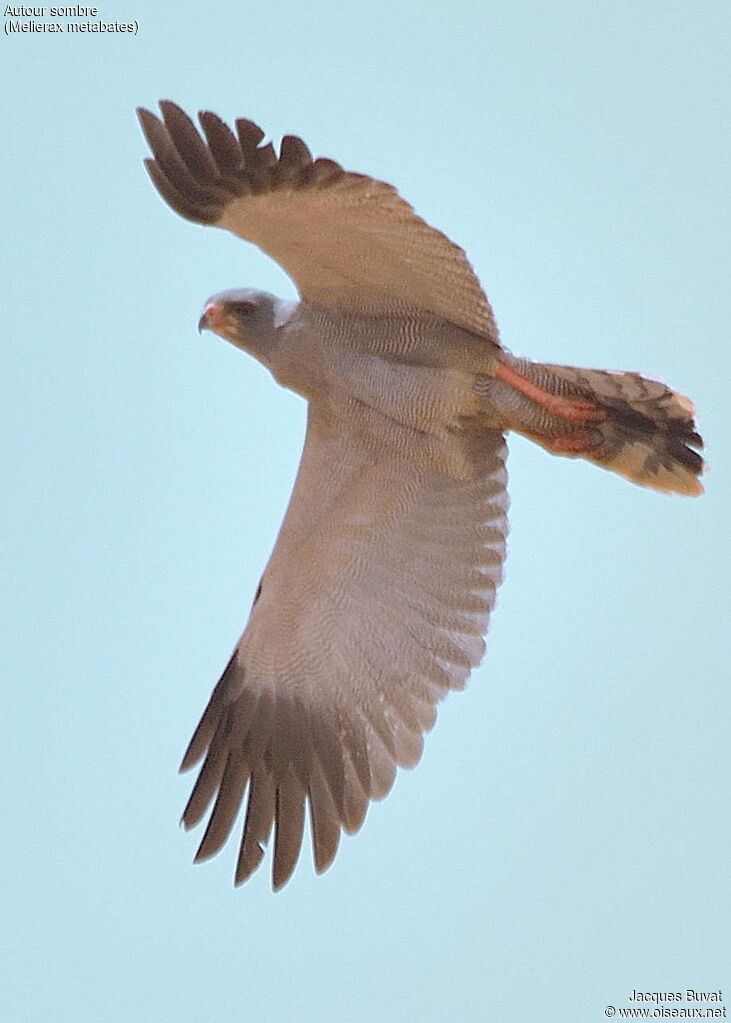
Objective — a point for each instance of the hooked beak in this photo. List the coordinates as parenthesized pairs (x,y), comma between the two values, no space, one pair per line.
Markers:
(212,318)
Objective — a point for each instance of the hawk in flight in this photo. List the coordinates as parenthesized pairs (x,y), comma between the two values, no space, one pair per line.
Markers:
(376,598)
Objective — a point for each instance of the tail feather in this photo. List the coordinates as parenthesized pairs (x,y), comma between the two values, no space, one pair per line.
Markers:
(625,422)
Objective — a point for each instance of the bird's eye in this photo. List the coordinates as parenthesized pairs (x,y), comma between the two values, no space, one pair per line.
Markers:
(242,308)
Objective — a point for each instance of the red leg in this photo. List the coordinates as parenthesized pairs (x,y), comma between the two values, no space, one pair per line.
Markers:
(575,411)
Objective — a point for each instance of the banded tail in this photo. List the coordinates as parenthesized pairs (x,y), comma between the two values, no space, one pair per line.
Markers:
(625,422)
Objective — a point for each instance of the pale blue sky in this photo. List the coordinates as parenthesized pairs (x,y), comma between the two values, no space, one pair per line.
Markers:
(566,837)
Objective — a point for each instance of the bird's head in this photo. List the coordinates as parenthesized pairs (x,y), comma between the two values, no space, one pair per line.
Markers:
(248,319)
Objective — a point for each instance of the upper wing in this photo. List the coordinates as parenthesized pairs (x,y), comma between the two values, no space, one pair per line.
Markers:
(373,605)
(347,240)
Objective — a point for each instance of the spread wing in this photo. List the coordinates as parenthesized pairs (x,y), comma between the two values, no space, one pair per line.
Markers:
(373,605)
(346,240)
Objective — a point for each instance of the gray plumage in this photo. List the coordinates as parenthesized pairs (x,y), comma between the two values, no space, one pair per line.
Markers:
(376,599)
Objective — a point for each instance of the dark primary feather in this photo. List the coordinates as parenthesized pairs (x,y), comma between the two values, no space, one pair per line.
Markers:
(223,145)
(198,179)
